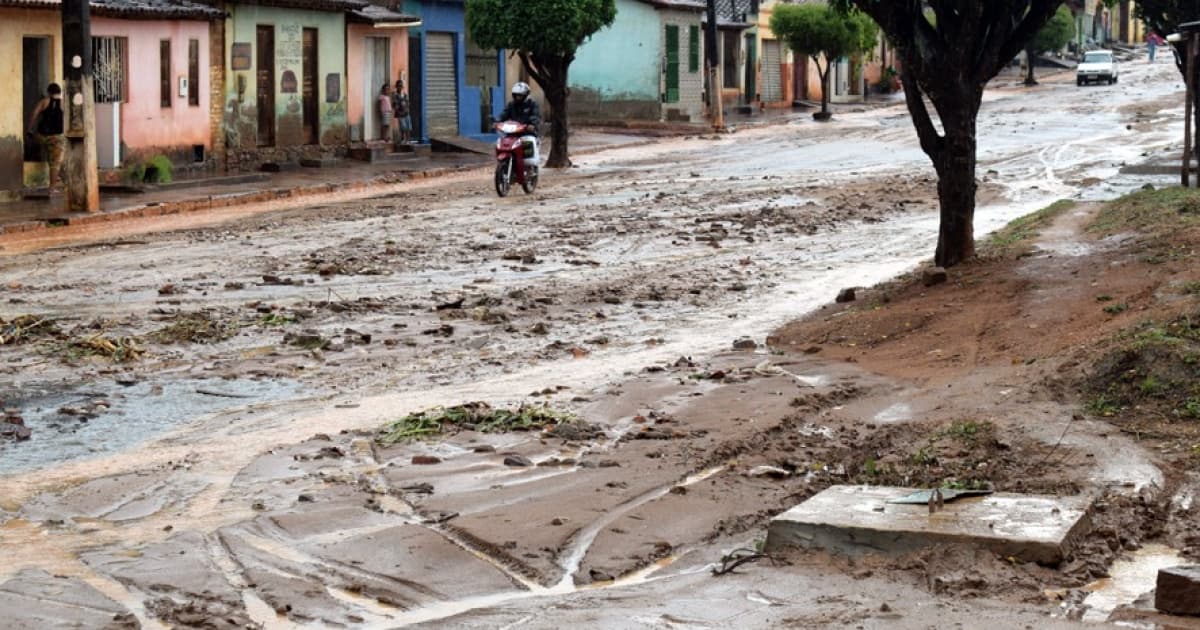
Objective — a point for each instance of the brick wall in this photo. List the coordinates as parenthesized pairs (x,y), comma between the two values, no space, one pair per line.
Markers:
(216,102)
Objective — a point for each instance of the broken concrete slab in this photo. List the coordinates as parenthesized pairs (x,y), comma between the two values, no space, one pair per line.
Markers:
(1178,590)
(856,519)
(35,599)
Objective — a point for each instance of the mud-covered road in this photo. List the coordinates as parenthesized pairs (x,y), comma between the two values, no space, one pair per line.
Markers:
(202,390)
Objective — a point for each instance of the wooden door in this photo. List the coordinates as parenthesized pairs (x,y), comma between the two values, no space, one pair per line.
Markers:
(751,92)
(308,94)
(265,97)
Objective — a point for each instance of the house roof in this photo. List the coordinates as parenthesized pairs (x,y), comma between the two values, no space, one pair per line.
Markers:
(736,14)
(132,9)
(375,14)
(155,9)
(685,5)
(312,5)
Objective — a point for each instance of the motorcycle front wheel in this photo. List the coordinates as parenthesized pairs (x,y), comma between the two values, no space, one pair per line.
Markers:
(503,177)
(531,180)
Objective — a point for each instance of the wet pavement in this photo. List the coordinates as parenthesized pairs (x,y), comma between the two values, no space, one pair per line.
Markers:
(335,315)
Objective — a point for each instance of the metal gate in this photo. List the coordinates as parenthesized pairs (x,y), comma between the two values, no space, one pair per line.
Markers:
(772,80)
(441,83)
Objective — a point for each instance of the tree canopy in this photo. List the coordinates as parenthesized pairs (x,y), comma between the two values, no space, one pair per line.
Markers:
(537,26)
(818,29)
(545,34)
(1055,34)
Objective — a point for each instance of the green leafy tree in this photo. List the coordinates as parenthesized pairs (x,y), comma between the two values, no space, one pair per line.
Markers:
(545,35)
(949,50)
(1053,36)
(819,31)
(1164,17)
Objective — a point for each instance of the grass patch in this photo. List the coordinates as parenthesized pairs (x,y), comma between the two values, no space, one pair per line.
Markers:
(1150,211)
(1022,229)
(26,328)
(193,328)
(115,349)
(1190,288)
(1116,309)
(476,416)
(1153,372)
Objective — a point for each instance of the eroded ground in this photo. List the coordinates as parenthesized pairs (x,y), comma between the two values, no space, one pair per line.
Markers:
(205,401)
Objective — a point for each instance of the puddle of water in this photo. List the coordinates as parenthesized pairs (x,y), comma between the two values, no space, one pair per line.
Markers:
(1130,578)
(135,414)
(898,412)
(261,613)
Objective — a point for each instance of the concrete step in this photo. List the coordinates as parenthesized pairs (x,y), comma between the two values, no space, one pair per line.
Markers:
(858,519)
(459,144)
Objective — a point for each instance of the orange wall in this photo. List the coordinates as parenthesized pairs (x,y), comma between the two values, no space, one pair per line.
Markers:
(145,124)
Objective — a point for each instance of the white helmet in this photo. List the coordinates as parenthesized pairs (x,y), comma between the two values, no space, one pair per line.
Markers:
(520,88)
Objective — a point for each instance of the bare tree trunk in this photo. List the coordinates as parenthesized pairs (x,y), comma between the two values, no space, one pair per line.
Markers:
(955,167)
(824,76)
(953,155)
(551,72)
(559,127)
(1029,59)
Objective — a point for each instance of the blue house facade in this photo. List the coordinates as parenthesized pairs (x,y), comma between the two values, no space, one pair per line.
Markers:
(456,88)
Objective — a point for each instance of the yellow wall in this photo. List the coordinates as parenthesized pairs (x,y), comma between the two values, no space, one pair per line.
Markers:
(15,24)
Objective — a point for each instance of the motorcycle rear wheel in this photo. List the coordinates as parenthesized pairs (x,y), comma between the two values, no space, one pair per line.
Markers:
(503,178)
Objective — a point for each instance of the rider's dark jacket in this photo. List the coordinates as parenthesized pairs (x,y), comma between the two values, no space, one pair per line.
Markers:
(525,112)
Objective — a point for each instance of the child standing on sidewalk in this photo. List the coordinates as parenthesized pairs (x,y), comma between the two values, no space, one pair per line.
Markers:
(385,112)
(400,111)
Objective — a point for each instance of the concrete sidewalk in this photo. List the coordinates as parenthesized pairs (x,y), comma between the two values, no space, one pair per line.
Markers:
(42,213)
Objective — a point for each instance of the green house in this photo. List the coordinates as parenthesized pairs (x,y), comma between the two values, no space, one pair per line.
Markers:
(648,65)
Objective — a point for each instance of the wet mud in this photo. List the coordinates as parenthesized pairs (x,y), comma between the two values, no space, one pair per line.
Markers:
(282,342)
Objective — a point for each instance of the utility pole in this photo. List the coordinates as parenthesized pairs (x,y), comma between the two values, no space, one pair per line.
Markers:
(711,51)
(82,177)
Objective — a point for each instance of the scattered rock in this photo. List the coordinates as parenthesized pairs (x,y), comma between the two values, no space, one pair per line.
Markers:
(599,576)
(169,289)
(517,461)
(774,472)
(425,460)
(557,521)
(931,276)
(846,295)
(1178,590)
(609,463)
(745,343)
(485,448)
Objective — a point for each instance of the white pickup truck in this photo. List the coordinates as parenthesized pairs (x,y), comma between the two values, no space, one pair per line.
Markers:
(1097,66)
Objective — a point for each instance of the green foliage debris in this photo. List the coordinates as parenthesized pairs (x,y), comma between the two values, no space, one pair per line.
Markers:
(475,416)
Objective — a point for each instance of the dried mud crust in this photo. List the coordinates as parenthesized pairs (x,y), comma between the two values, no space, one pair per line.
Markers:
(1092,307)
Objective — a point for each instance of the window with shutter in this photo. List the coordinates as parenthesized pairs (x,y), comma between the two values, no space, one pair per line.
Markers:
(672,65)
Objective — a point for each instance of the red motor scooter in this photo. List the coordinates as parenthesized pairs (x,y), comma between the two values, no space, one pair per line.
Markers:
(512,152)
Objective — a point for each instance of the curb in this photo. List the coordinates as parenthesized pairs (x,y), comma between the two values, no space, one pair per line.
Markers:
(234,199)
(226,200)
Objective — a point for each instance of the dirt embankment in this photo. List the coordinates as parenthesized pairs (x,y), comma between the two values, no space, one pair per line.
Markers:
(1067,352)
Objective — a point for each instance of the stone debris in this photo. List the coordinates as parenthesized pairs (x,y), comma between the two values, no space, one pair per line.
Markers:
(1178,590)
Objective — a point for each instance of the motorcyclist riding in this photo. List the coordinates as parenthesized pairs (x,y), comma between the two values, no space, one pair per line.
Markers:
(524,110)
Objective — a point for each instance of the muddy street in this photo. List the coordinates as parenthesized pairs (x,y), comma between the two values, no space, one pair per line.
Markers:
(204,392)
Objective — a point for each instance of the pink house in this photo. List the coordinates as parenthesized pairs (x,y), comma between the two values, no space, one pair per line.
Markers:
(376,53)
(151,66)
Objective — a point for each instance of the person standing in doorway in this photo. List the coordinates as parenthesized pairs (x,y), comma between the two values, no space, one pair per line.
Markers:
(46,127)
(385,112)
(400,110)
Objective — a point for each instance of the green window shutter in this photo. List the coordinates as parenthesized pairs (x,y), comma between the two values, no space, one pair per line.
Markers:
(693,48)
(672,69)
